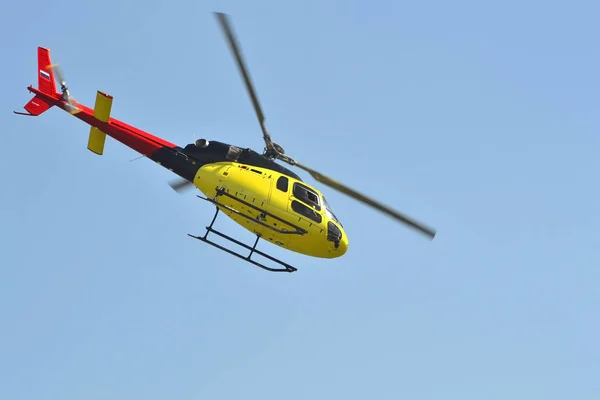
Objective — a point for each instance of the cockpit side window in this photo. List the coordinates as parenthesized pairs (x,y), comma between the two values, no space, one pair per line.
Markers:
(307,195)
(329,211)
(282,183)
(306,211)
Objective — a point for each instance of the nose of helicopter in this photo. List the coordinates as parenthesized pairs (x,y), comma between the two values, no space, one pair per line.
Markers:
(337,239)
(343,247)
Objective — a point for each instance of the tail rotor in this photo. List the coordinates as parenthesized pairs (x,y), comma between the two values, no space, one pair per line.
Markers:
(66,95)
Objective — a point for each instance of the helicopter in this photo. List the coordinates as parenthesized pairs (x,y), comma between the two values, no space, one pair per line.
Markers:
(255,190)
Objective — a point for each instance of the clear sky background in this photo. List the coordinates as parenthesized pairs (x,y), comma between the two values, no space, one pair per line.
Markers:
(478,118)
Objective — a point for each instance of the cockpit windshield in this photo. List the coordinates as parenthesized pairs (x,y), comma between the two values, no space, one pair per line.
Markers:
(329,211)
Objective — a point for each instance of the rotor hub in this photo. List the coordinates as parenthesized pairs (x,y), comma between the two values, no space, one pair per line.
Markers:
(278,148)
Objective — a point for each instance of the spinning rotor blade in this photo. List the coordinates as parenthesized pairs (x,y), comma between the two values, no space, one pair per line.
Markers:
(180,185)
(60,77)
(58,74)
(364,199)
(235,49)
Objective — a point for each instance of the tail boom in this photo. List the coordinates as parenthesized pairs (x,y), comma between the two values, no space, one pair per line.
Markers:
(134,138)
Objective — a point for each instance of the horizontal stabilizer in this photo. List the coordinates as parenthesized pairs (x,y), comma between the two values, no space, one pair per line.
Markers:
(102,113)
(36,106)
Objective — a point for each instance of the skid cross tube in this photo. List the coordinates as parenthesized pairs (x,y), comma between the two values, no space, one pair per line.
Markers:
(253,250)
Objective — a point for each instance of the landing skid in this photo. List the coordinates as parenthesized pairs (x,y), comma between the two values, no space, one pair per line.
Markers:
(253,250)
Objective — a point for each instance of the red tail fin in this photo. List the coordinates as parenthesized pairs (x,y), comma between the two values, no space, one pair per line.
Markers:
(46,84)
(45,76)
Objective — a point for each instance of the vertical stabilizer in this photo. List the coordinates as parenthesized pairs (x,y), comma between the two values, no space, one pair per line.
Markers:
(46,81)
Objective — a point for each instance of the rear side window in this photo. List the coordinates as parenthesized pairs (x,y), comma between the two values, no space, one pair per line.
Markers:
(282,183)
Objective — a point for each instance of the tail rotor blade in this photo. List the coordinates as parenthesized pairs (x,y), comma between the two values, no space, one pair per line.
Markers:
(58,74)
(60,77)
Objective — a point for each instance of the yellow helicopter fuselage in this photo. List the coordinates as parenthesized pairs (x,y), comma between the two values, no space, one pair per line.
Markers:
(277,207)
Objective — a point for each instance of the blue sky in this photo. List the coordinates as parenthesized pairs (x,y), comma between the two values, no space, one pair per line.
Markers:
(478,118)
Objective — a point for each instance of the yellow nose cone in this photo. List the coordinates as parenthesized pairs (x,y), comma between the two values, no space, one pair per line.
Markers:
(343,246)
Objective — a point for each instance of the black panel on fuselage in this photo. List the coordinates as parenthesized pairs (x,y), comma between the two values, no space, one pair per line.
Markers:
(218,152)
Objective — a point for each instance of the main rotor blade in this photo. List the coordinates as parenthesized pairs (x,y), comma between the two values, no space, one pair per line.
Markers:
(364,199)
(236,50)
(179,185)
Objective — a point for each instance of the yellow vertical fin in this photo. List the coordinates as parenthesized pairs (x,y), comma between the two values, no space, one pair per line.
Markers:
(101,113)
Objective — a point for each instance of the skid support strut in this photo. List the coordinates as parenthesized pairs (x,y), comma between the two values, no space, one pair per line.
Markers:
(253,249)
